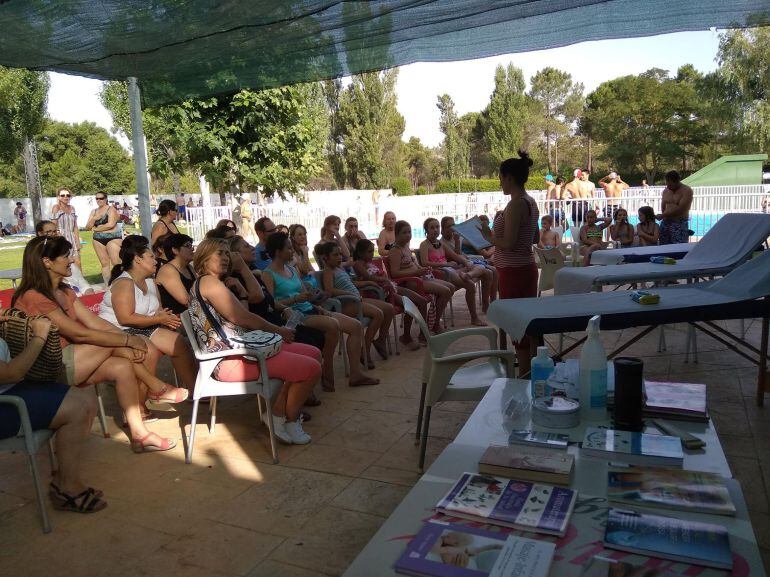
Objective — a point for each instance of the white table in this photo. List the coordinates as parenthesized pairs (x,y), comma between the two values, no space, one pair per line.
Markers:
(640,253)
(488,425)
(13,275)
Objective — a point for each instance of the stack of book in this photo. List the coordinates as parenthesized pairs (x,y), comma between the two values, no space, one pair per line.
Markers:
(528,464)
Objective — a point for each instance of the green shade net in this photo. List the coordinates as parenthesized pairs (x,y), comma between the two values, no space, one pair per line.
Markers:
(196,48)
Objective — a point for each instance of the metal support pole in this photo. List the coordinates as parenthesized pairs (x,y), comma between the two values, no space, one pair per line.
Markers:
(140,156)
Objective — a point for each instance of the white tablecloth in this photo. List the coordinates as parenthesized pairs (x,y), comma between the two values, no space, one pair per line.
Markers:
(637,253)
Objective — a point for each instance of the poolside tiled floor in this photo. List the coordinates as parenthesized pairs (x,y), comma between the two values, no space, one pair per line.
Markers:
(232,512)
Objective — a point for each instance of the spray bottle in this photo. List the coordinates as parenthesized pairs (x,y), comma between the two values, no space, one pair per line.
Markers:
(593,375)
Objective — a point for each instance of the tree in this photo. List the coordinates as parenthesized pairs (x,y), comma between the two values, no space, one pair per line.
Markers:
(420,163)
(23,97)
(509,124)
(455,146)
(84,158)
(561,102)
(332,90)
(371,127)
(744,59)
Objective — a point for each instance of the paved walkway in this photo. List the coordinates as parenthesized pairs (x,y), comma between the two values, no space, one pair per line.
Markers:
(233,513)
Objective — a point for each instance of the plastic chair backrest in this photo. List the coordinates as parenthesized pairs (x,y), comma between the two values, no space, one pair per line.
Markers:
(188,329)
(551,260)
(411,309)
(93,301)
(5,298)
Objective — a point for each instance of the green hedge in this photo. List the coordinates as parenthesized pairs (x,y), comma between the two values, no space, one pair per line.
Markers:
(535,182)
(402,187)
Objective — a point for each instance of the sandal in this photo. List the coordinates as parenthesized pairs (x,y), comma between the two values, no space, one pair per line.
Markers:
(53,488)
(381,349)
(364,381)
(169,394)
(312,401)
(139,445)
(86,502)
(305,417)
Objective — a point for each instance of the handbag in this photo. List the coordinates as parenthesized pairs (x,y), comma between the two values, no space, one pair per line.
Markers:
(265,342)
(16,332)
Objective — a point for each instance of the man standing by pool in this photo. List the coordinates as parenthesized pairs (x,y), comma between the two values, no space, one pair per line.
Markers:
(675,210)
(613,187)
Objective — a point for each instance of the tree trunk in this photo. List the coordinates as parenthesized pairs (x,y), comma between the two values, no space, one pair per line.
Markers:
(32,177)
(176,183)
(548,149)
(588,166)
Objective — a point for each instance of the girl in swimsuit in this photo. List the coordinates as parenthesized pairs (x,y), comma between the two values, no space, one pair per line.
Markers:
(622,231)
(108,235)
(387,235)
(591,235)
(434,253)
(647,230)
(167,211)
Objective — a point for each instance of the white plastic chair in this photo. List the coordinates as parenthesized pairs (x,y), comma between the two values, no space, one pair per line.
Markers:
(207,386)
(551,260)
(30,442)
(445,379)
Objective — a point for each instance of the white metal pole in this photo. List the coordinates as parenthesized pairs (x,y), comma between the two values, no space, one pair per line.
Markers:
(140,156)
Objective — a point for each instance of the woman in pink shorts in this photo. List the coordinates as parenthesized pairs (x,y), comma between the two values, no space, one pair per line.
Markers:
(226,299)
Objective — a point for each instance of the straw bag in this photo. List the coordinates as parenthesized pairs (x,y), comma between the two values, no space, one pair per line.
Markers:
(17,332)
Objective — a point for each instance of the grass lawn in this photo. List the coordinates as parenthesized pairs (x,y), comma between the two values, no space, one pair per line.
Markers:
(10,258)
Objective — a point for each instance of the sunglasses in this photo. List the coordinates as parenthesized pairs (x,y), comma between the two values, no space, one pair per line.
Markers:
(101,198)
(51,232)
(65,196)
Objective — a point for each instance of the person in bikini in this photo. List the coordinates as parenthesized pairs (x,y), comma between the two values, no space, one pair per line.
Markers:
(647,230)
(591,235)
(622,231)
(675,210)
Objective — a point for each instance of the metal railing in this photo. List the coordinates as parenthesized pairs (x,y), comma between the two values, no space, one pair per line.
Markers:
(710,203)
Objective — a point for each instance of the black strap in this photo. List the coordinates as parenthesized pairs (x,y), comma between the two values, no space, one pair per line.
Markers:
(213,321)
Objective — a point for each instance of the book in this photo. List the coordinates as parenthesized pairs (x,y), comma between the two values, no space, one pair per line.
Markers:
(469,230)
(447,550)
(538,438)
(528,464)
(668,538)
(671,489)
(633,448)
(675,401)
(598,566)
(510,503)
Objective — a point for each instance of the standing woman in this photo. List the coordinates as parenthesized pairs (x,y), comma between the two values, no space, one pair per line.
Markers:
(515,231)
(63,214)
(167,211)
(108,234)
(132,304)
(387,236)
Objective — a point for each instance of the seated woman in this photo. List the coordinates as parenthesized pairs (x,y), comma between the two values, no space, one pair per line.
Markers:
(77,281)
(175,278)
(352,234)
(477,267)
(387,236)
(647,230)
(283,282)
(93,350)
(402,264)
(622,231)
(296,364)
(337,282)
(132,303)
(298,236)
(330,232)
(591,235)
(367,272)
(223,231)
(434,255)
(67,410)
(159,251)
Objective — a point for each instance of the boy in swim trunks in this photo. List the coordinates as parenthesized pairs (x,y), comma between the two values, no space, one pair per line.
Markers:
(591,235)
(675,210)
(549,238)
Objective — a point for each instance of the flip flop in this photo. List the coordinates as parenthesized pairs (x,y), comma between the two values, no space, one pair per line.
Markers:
(381,349)
(363,382)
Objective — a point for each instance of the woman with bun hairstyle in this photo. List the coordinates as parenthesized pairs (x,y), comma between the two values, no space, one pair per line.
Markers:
(167,212)
(515,231)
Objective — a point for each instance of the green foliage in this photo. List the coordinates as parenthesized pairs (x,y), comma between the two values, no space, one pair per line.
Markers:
(23,96)
(84,158)
(421,190)
(421,163)
(402,187)
(12,181)
(455,147)
(467,185)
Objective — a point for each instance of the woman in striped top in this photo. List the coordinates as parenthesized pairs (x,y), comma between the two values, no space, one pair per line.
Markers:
(515,231)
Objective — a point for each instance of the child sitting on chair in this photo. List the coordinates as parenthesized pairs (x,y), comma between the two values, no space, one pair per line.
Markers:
(622,231)
(549,238)
(647,230)
(591,235)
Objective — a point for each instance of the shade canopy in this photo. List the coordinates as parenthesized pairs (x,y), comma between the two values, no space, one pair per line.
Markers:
(180,49)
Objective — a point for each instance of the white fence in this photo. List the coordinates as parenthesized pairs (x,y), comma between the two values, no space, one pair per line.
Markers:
(709,204)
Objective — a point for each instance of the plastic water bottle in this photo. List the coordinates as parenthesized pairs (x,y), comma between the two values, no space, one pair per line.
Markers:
(295,319)
(542,367)
(593,375)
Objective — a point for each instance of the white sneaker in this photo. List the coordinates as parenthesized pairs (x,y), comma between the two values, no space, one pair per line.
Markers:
(279,429)
(295,432)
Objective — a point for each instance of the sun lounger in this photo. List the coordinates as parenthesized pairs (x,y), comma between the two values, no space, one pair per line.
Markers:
(743,293)
(729,242)
(640,253)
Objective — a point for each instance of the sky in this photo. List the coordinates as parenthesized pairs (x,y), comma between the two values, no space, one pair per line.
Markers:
(469,83)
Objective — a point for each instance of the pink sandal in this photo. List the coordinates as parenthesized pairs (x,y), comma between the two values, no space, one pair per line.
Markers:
(139,445)
(169,394)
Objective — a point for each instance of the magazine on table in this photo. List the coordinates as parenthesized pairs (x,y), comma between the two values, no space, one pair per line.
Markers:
(633,448)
